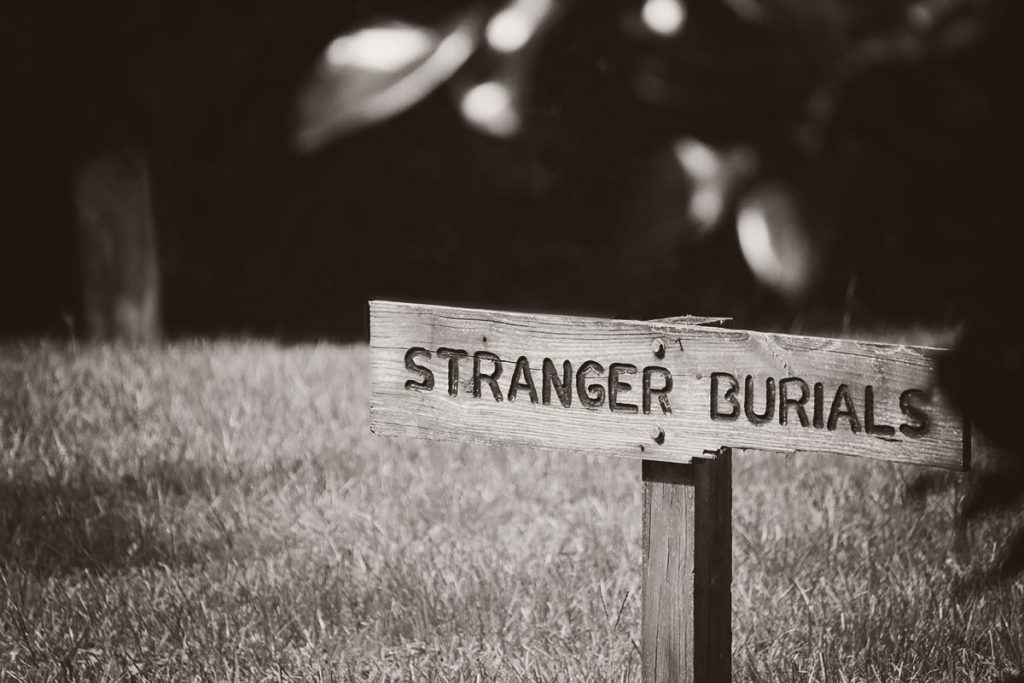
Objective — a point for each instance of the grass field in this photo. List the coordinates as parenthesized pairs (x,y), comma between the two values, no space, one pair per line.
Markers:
(221,511)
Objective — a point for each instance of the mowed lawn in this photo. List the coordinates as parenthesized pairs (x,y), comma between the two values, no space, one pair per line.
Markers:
(221,511)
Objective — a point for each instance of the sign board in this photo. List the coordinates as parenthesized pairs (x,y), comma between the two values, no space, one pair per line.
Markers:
(658,390)
(676,390)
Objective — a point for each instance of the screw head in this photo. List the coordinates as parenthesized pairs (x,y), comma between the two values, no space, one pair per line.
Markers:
(658,434)
(658,348)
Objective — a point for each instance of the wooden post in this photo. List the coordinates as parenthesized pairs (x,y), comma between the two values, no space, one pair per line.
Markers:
(117,235)
(687,571)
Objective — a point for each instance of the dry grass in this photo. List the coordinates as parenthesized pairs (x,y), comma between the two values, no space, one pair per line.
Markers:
(221,511)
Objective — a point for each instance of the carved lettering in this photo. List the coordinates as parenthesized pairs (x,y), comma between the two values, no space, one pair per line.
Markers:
(491,379)
(662,393)
(590,400)
(769,401)
(453,356)
(910,401)
(615,385)
(785,400)
(426,382)
(842,406)
(522,378)
(798,402)
(869,415)
(819,405)
(562,387)
(730,396)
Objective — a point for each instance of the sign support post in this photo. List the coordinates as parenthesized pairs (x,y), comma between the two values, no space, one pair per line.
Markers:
(686,632)
(686,613)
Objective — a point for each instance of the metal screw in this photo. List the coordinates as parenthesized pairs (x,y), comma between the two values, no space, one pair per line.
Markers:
(658,347)
(658,434)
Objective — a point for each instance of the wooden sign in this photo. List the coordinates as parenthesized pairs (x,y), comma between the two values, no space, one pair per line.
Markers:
(679,391)
(664,390)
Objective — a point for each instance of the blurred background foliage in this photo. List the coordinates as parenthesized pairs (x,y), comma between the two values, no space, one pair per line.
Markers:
(797,165)
(209,168)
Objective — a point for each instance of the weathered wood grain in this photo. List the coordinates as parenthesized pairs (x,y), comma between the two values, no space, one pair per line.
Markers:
(686,630)
(693,320)
(690,353)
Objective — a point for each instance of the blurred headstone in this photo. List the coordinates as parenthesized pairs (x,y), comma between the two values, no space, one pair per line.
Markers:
(117,237)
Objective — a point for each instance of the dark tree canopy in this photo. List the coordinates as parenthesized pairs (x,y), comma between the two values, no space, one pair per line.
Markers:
(908,179)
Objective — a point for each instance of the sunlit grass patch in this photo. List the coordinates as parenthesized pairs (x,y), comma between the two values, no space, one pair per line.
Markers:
(221,510)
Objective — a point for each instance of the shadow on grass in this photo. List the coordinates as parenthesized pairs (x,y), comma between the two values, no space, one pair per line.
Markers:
(63,525)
